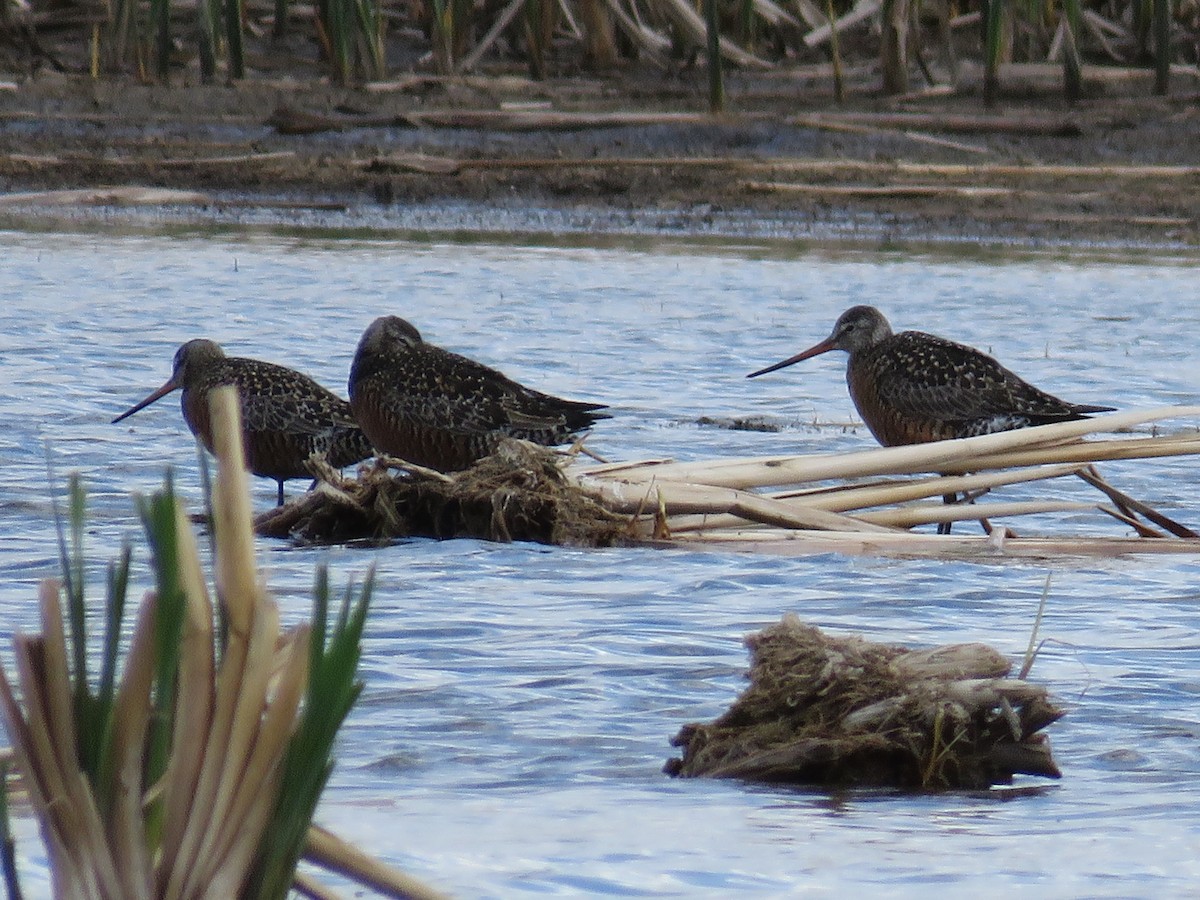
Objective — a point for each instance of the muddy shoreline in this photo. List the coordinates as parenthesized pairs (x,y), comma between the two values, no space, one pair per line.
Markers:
(631,153)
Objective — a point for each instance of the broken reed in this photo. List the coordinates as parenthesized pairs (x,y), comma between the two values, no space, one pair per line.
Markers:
(197,764)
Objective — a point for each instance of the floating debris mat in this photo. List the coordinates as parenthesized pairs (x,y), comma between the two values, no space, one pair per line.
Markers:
(867,501)
(519,493)
(849,712)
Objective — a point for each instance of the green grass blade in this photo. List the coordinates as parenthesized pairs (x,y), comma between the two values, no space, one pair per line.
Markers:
(1162,46)
(233,38)
(102,723)
(118,589)
(70,556)
(207,40)
(716,73)
(8,850)
(160,16)
(370,26)
(993,46)
(279,28)
(160,518)
(1072,65)
(332,690)
(839,83)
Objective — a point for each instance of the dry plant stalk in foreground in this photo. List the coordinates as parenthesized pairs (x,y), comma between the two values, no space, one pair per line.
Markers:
(197,773)
(845,711)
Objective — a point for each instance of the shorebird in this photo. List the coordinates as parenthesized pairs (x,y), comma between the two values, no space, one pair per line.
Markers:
(286,416)
(913,387)
(444,411)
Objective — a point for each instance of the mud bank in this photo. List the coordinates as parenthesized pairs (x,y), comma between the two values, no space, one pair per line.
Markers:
(621,154)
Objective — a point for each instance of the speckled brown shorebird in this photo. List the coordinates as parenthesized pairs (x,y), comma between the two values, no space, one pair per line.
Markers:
(438,409)
(913,387)
(286,416)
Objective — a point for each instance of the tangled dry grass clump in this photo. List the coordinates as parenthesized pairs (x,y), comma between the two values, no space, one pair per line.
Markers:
(519,493)
(846,711)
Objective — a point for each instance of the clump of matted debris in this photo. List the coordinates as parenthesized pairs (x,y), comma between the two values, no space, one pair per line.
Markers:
(518,493)
(846,711)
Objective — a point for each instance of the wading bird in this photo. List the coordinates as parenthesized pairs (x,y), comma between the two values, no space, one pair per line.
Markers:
(913,387)
(286,416)
(438,409)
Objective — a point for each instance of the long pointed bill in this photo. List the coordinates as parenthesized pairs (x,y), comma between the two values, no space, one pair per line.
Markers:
(824,347)
(157,395)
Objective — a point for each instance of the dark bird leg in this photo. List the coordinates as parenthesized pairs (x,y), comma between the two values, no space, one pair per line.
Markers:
(967,497)
(948,499)
(280,482)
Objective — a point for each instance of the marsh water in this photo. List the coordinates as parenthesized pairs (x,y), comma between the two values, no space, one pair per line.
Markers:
(519,699)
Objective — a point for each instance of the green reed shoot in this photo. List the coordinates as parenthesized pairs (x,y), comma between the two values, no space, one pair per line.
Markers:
(280,26)
(353,34)
(233,38)
(332,691)
(839,82)
(160,27)
(993,48)
(1072,65)
(160,522)
(1162,46)
(539,29)
(716,72)
(747,23)
(8,848)
(92,711)
(370,23)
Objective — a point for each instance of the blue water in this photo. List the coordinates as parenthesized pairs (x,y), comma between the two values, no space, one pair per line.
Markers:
(519,699)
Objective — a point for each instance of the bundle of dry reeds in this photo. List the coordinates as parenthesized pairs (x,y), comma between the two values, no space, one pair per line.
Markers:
(845,711)
(863,500)
(196,771)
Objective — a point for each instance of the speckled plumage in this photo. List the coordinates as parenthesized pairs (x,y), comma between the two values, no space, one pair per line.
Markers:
(438,409)
(286,416)
(914,387)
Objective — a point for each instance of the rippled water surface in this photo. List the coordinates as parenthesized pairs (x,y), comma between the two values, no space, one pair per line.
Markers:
(519,699)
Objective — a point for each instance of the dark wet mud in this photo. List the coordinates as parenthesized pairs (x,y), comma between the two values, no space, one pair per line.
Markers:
(633,152)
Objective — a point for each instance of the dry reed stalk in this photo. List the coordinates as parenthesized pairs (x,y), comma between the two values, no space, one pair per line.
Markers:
(194,712)
(710,496)
(965,454)
(962,192)
(238,779)
(130,726)
(850,497)
(675,498)
(927,514)
(1089,452)
(46,756)
(335,854)
(909,545)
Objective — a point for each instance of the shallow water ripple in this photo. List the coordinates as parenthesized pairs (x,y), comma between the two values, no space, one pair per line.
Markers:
(519,700)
